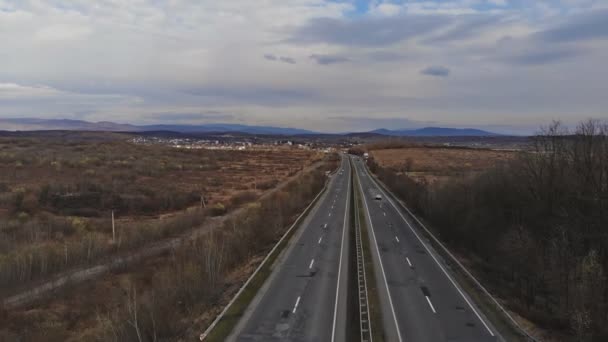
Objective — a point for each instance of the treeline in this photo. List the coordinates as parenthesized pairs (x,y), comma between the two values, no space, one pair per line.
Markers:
(536,228)
(195,277)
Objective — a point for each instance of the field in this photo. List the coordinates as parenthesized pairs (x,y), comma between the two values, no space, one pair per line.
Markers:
(434,164)
(57,196)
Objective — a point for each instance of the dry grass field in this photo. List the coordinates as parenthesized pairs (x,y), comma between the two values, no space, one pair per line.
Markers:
(174,295)
(57,195)
(438,163)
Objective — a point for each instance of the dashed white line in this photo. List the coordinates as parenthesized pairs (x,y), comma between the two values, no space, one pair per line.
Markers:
(320,239)
(312,262)
(325,226)
(295,307)
(390,300)
(384,213)
(408,261)
(434,258)
(396,238)
(329,214)
(430,304)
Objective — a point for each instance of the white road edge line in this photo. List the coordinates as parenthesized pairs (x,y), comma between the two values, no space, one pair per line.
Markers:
(390,300)
(312,262)
(408,261)
(296,223)
(430,304)
(295,307)
(433,256)
(333,329)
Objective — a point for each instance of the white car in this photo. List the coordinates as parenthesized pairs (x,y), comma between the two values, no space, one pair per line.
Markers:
(378,198)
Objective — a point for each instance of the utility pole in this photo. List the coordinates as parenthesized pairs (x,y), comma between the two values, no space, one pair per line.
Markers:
(113,229)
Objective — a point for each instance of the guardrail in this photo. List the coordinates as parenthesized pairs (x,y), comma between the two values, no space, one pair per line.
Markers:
(365,325)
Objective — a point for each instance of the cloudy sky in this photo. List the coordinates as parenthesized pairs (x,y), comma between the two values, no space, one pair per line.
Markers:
(326,65)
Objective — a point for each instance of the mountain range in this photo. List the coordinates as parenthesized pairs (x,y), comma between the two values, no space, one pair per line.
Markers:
(34,124)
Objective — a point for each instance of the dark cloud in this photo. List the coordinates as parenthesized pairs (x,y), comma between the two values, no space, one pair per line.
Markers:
(369,31)
(276,58)
(328,59)
(287,60)
(437,71)
(591,25)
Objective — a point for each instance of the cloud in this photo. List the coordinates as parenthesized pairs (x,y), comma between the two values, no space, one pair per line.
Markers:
(328,59)
(547,55)
(129,61)
(586,26)
(465,27)
(369,31)
(283,59)
(204,116)
(287,60)
(437,71)
(252,95)
(367,123)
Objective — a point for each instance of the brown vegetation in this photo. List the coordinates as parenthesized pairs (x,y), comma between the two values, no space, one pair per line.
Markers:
(434,163)
(162,299)
(56,197)
(534,228)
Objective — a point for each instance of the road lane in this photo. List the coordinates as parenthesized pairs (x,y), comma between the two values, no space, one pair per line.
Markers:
(428,304)
(305,296)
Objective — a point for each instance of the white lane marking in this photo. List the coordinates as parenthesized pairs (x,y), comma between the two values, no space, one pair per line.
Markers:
(430,304)
(325,226)
(329,214)
(384,213)
(390,300)
(321,238)
(396,238)
(312,262)
(408,261)
(434,258)
(333,331)
(295,307)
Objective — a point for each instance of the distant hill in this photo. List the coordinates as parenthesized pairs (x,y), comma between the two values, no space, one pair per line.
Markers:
(33,124)
(435,132)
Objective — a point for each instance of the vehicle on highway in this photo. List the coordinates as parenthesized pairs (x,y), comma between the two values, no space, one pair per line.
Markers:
(378,198)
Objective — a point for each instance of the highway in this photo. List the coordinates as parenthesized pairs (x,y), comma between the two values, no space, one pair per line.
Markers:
(419,297)
(304,298)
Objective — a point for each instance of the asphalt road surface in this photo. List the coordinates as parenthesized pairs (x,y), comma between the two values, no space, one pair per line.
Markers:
(304,299)
(419,297)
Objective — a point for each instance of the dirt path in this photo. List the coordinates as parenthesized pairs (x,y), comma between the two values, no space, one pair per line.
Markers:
(152,249)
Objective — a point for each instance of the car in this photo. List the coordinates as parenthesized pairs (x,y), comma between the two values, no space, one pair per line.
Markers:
(378,198)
